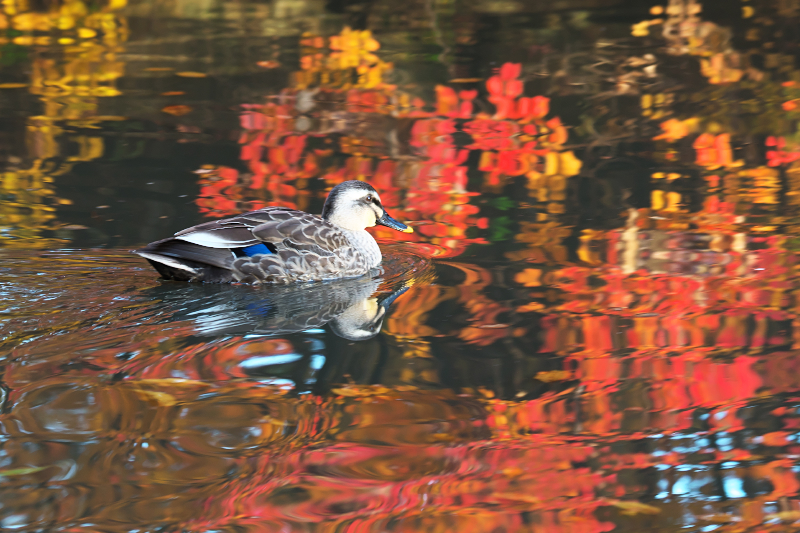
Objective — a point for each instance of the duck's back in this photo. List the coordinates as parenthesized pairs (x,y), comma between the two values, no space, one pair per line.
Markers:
(271,245)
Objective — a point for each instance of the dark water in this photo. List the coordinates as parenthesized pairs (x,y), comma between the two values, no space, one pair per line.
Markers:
(593,328)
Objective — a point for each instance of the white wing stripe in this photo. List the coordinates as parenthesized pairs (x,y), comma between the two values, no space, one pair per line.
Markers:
(212,241)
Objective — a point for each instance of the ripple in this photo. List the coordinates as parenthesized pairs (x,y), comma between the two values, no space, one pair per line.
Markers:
(58,305)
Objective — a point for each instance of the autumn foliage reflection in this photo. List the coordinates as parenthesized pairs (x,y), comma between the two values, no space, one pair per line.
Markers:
(661,325)
(342,121)
(604,347)
(85,39)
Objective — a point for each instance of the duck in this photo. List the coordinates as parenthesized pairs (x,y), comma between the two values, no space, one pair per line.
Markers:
(278,245)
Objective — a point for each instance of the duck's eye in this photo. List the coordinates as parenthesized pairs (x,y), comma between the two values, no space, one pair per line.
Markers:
(369,198)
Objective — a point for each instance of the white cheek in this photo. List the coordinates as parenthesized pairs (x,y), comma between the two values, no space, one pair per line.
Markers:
(368,216)
(356,218)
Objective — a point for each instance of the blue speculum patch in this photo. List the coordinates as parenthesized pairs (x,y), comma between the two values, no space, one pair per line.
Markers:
(256,249)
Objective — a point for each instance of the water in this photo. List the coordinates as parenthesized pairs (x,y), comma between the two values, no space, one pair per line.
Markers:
(593,327)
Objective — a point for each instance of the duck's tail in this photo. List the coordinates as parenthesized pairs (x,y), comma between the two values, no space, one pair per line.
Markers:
(182,261)
(169,268)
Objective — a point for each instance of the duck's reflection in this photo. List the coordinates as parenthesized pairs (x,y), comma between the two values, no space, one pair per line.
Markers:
(353,309)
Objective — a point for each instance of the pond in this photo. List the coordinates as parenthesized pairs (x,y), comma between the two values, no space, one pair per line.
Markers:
(593,326)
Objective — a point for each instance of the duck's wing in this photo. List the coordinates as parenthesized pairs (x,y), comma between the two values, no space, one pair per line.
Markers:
(279,226)
(301,232)
(235,232)
(204,251)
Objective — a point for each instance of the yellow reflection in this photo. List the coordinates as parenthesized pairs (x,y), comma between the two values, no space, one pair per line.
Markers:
(349,63)
(27,206)
(73,48)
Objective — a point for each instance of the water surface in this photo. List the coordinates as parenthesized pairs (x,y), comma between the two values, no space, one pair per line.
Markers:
(593,328)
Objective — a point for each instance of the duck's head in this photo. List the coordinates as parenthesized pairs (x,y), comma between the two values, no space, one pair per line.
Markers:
(355,205)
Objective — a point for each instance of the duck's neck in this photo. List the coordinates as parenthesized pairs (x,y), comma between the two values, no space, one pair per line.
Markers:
(364,243)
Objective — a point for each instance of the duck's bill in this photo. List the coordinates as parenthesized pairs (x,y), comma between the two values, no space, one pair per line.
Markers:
(389,222)
(389,300)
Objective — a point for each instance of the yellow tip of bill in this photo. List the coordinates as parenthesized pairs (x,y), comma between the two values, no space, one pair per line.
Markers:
(408,230)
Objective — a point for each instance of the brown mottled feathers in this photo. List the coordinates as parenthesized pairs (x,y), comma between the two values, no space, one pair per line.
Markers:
(302,232)
(289,265)
(306,248)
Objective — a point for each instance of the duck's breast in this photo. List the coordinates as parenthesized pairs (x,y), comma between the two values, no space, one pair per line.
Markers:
(365,244)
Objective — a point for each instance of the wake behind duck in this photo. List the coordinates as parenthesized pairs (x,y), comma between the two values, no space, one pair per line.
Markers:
(277,245)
